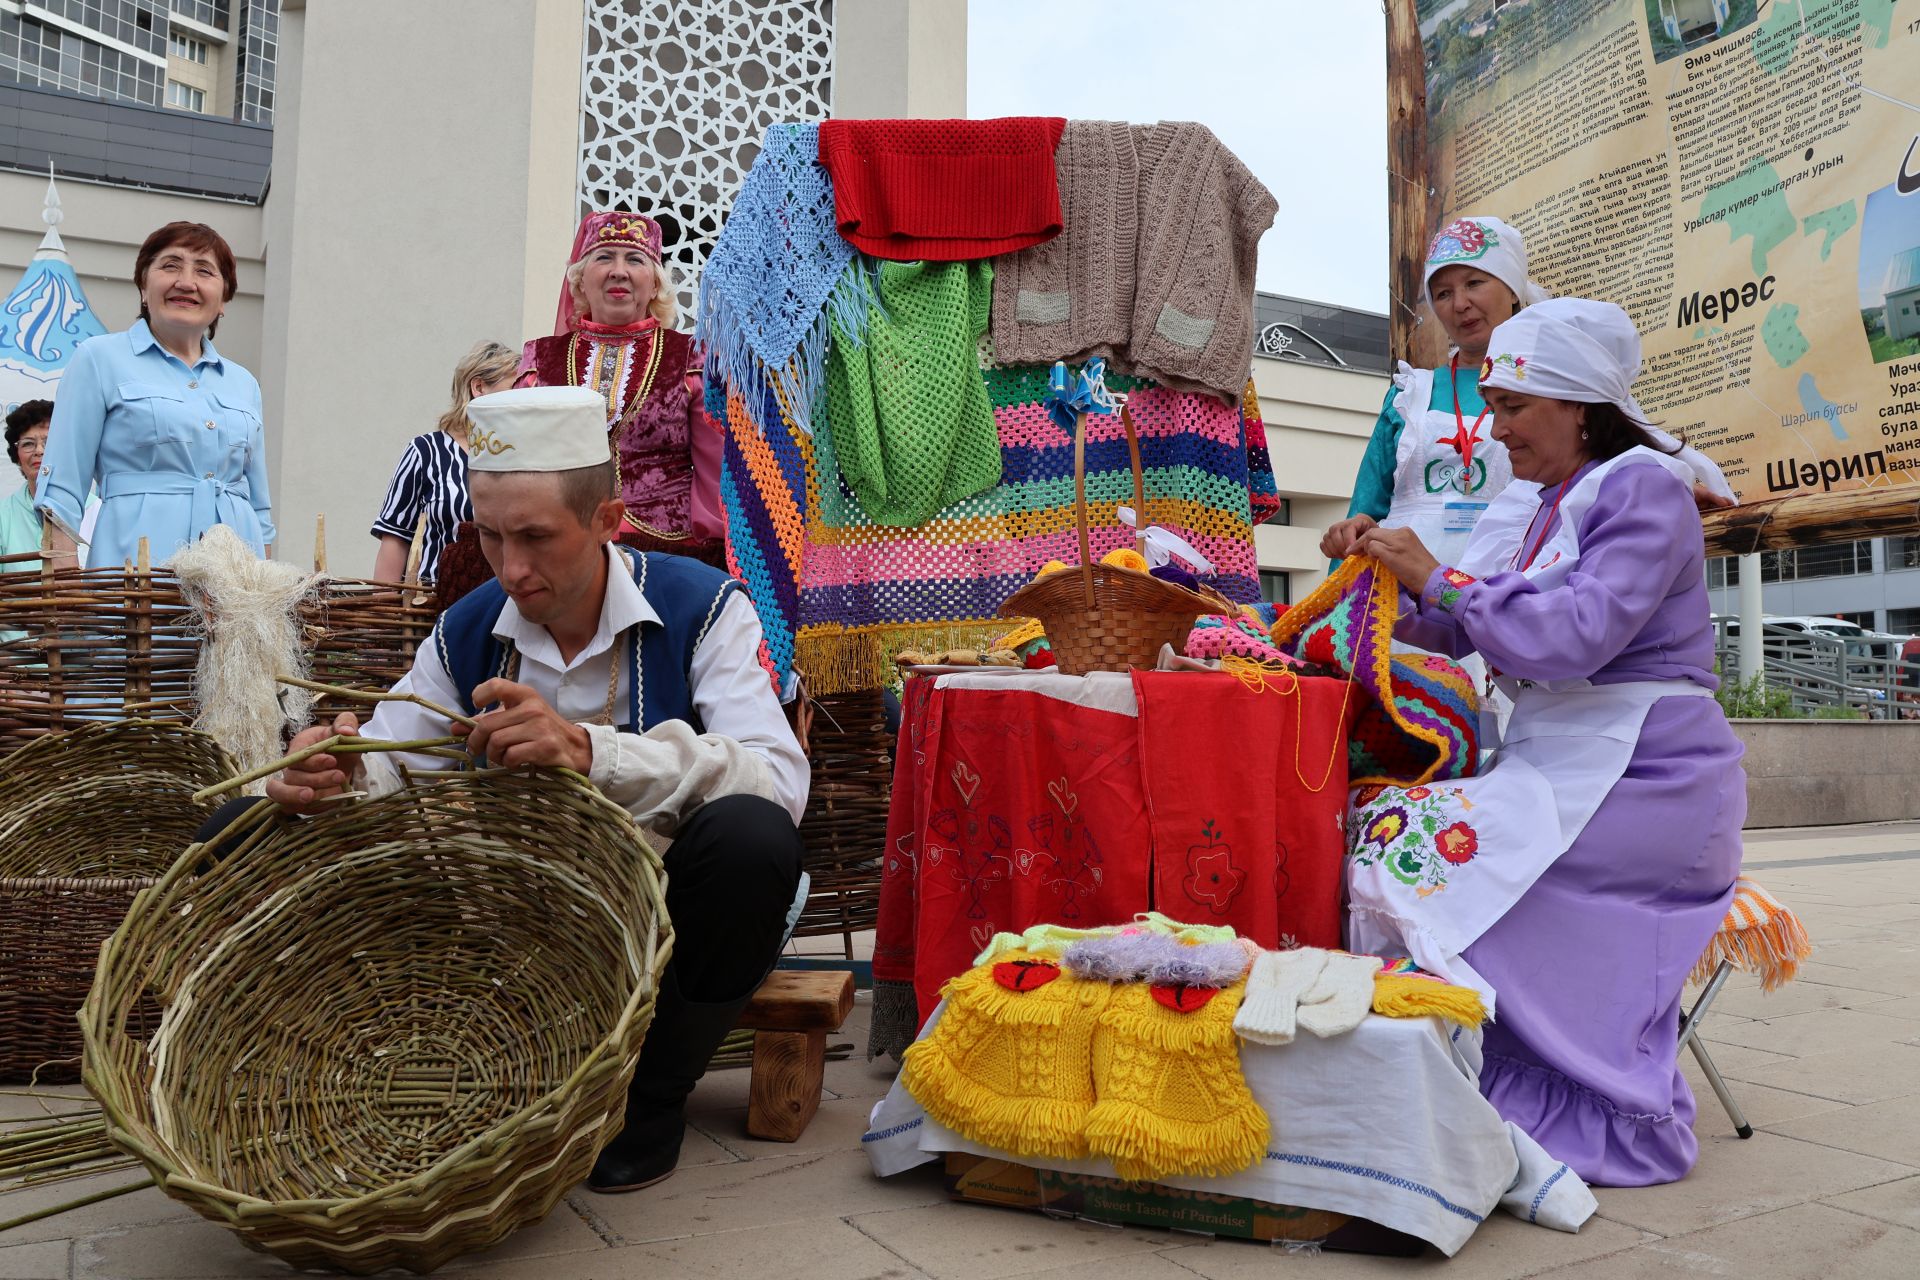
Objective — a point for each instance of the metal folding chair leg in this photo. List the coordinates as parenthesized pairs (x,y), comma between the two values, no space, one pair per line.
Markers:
(1690,1039)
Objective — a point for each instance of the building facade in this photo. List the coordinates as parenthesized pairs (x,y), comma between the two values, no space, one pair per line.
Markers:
(365,272)
(1874,582)
(210,57)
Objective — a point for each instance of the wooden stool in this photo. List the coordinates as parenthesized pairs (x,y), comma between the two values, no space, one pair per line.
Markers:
(790,1016)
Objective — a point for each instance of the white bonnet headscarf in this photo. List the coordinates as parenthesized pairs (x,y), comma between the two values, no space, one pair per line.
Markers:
(1589,353)
(1489,244)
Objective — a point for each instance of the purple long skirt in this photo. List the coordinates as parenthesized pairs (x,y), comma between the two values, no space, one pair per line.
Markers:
(1590,964)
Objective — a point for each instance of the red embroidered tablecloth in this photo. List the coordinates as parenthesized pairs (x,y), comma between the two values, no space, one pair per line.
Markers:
(1034,798)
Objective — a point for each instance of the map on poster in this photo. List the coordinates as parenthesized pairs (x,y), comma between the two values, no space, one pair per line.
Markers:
(1743,176)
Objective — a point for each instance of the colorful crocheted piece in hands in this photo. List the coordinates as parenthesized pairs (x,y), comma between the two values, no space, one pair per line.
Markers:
(1421,722)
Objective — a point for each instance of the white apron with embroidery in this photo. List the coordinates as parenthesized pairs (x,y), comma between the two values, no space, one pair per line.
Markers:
(1430,869)
(1434,493)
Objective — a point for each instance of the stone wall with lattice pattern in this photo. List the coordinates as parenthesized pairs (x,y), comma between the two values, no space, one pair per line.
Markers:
(674,97)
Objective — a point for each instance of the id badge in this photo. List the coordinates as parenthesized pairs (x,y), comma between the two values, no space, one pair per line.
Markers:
(1460,517)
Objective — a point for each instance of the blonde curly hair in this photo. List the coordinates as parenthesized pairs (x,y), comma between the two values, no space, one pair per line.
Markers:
(664,308)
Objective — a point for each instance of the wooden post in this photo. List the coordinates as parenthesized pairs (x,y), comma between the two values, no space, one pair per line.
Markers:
(320,543)
(140,630)
(1409,187)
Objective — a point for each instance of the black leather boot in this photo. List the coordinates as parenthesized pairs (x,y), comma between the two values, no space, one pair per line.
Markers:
(673,1057)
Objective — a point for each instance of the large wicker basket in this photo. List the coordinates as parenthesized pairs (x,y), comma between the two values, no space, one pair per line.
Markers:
(1100,617)
(392,1033)
(88,818)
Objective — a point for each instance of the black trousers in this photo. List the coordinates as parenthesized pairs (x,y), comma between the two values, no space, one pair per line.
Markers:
(731,876)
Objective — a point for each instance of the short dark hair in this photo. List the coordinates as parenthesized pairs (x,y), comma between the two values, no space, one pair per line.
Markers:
(196,237)
(29,415)
(1610,432)
(583,489)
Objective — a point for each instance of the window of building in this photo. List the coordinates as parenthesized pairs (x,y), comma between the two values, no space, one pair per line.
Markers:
(186,47)
(211,12)
(1903,622)
(1862,619)
(1284,515)
(186,97)
(1276,586)
(1798,563)
(1903,553)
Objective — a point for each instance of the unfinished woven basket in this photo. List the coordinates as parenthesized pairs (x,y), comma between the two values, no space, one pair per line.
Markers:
(392,1033)
(88,818)
(1100,617)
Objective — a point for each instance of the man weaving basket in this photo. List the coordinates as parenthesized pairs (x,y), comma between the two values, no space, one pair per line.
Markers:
(638,670)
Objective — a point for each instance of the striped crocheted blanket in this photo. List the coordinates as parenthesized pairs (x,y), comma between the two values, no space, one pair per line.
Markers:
(839,595)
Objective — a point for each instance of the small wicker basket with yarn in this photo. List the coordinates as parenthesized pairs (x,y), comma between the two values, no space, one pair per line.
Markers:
(391,1033)
(1102,617)
(88,818)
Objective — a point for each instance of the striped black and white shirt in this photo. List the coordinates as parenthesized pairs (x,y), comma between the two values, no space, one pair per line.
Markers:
(432,475)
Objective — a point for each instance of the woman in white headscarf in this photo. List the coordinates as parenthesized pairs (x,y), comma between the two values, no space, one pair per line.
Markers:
(1432,464)
(1576,881)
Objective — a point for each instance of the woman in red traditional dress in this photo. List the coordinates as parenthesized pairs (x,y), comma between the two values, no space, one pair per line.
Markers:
(614,334)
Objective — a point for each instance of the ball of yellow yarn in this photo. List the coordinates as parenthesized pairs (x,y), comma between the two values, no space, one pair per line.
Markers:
(1125,558)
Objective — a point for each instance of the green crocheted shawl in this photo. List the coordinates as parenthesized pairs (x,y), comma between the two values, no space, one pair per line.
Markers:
(907,409)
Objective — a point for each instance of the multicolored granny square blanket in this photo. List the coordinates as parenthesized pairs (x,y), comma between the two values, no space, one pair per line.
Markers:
(839,595)
(1421,722)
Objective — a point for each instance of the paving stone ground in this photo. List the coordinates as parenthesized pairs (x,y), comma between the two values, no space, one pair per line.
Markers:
(1828,1069)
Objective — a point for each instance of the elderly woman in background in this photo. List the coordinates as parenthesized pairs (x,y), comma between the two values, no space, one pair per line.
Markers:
(432,475)
(614,334)
(168,428)
(20,524)
(1579,878)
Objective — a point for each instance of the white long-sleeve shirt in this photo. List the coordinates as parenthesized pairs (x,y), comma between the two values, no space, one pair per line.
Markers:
(660,776)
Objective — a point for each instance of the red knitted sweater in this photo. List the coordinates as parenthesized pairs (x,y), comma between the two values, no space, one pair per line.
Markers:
(943,190)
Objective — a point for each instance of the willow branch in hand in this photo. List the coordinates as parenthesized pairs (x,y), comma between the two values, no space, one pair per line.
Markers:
(367,695)
(343,743)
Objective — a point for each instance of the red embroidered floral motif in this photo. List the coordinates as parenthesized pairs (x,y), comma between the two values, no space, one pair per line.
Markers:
(1025,975)
(1456,578)
(1457,843)
(1182,998)
(1418,793)
(1212,879)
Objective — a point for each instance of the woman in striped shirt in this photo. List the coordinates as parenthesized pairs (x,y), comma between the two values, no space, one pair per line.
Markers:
(432,475)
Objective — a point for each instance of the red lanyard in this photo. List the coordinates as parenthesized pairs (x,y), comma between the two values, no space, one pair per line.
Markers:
(1546,524)
(1462,439)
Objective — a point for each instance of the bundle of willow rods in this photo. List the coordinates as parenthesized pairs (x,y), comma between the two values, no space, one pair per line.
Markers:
(80,646)
(70,1142)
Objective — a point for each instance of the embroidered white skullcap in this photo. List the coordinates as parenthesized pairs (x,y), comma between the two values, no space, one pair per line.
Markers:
(1489,244)
(537,429)
(1587,352)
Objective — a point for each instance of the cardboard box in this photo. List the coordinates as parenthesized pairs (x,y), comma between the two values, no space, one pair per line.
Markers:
(983,1180)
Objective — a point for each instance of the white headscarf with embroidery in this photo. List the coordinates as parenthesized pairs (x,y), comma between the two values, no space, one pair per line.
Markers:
(1586,352)
(1490,245)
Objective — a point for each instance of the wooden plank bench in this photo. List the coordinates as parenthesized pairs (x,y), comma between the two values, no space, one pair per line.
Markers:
(790,1016)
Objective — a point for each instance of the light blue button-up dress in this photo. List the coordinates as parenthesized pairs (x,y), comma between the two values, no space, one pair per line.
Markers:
(173,451)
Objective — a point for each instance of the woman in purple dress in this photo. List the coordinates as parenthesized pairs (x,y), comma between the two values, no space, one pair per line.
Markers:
(1578,879)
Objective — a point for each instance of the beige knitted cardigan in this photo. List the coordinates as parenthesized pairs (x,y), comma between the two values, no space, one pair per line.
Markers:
(1154,269)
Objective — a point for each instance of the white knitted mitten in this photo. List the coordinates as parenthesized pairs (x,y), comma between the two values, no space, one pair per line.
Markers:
(1341,997)
(1274,986)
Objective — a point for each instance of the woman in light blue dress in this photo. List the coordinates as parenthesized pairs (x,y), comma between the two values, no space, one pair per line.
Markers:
(166,427)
